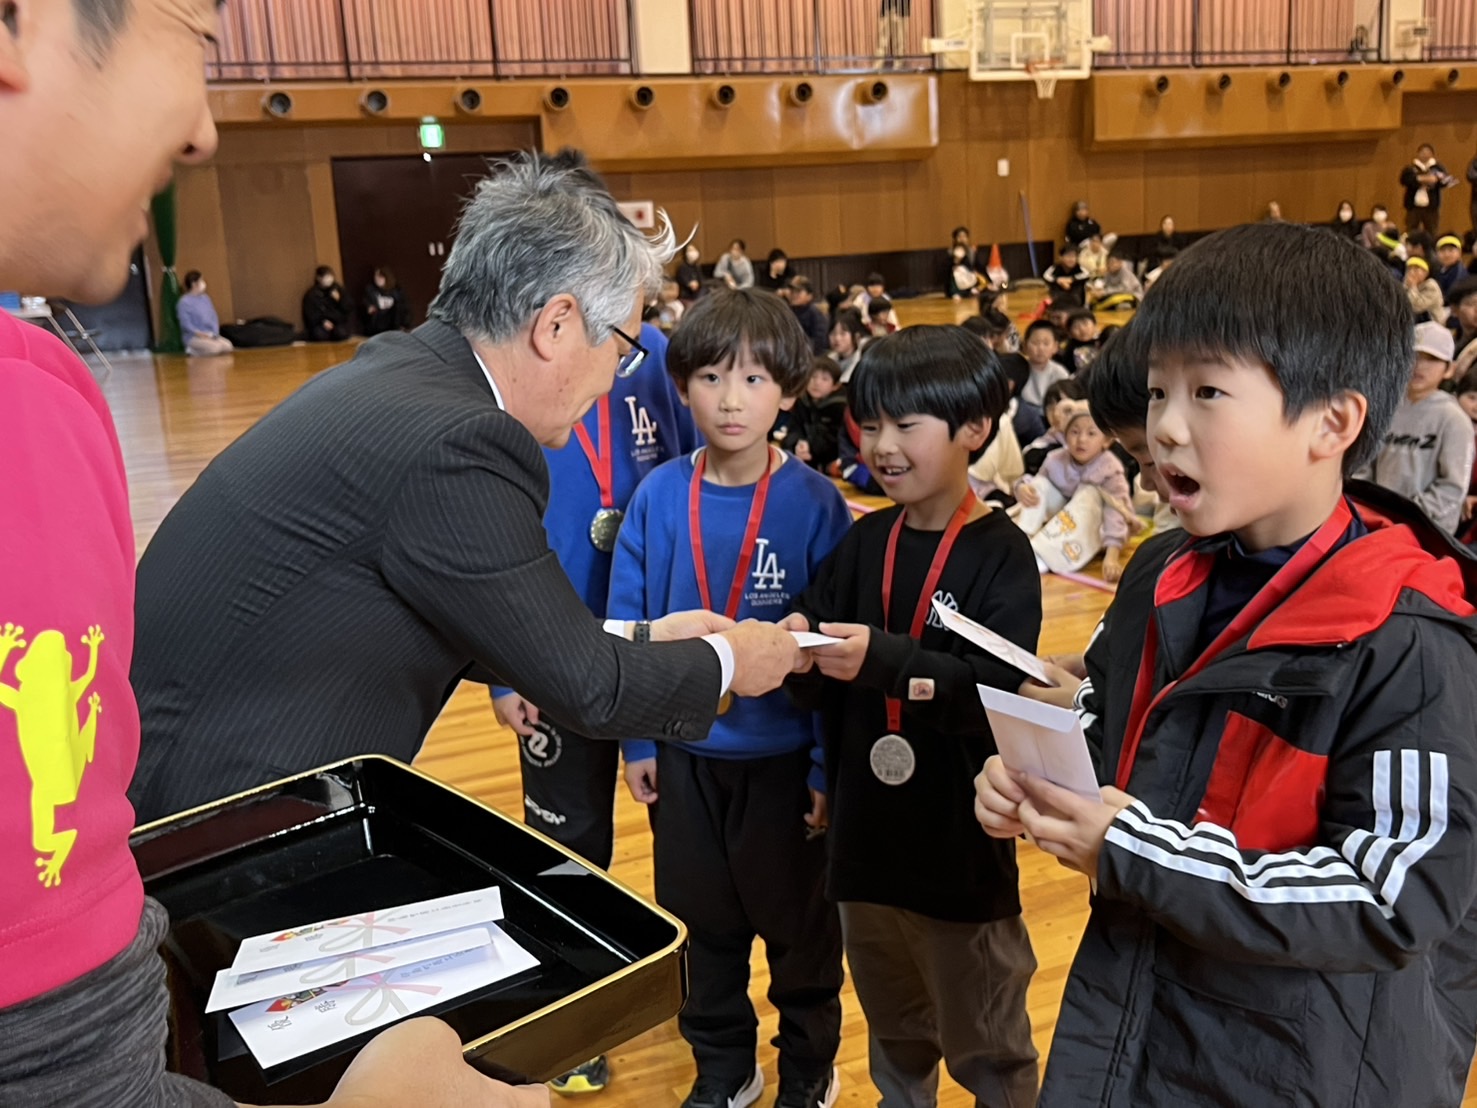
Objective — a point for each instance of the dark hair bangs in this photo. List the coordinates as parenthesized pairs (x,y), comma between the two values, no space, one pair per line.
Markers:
(723,324)
(1247,294)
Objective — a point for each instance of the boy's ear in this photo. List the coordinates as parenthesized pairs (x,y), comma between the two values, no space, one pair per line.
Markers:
(681,383)
(14,77)
(972,435)
(1338,425)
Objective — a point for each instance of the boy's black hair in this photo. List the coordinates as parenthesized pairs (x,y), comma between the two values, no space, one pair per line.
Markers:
(720,325)
(1068,388)
(875,279)
(1067,248)
(191,279)
(1468,383)
(932,369)
(801,283)
(823,364)
(852,320)
(1423,240)
(776,255)
(323,271)
(1464,288)
(1242,294)
(878,306)
(955,232)
(1079,315)
(1117,383)
(1120,253)
(1039,325)
(978,325)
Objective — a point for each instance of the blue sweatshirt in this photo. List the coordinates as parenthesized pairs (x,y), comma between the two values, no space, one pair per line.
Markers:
(653,574)
(197,315)
(649,424)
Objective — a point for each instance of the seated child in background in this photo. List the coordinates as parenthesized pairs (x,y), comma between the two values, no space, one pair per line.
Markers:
(880,317)
(1427,453)
(1066,279)
(1466,396)
(669,304)
(1057,407)
(1424,293)
(996,471)
(1083,340)
(1093,254)
(739,528)
(1119,286)
(1040,350)
(1287,866)
(816,426)
(930,906)
(962,279)
(1079,503)
(1449,263)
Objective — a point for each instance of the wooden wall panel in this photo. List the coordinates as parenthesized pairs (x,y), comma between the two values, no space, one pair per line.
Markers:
(839,207)
(268,217)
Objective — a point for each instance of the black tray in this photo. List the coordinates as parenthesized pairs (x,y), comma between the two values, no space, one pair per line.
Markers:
(371,833)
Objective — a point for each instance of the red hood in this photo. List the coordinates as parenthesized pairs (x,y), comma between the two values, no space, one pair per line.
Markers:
(1359,586)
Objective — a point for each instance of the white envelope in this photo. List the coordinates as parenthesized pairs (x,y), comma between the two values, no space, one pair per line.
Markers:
(277,1031)
(997,645)
(368,930)
(233,991)
(1040,739)
(807,639)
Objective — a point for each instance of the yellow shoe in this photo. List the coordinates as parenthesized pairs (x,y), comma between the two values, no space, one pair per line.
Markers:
(591,1077)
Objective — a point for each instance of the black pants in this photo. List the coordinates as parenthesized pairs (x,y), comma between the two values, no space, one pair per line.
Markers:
(733,862)
(1423,219)
(569,785)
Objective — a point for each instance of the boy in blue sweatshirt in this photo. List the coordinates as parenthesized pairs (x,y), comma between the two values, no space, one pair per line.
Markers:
(740,528)
(929,904)
(569,780)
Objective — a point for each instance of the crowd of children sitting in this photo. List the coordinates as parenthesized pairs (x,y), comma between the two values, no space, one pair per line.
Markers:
(1324,622)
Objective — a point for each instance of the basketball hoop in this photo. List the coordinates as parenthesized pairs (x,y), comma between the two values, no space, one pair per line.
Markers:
(1044,79)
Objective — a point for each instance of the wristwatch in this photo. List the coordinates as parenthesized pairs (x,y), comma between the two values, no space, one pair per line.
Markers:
(641,631)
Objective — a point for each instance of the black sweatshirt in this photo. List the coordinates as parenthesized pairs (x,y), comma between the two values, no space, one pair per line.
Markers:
(917,845)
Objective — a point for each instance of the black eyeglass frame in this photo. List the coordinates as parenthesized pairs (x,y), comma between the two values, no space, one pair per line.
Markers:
(630,361)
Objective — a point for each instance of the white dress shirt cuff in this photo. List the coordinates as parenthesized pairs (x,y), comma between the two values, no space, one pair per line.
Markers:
(720,645)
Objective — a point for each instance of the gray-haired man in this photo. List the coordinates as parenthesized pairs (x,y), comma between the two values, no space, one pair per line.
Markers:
(321,588)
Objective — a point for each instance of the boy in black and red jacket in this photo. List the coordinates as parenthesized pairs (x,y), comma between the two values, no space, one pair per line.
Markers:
(1286,861)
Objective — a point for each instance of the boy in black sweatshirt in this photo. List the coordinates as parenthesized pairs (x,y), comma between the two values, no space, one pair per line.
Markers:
(930,906)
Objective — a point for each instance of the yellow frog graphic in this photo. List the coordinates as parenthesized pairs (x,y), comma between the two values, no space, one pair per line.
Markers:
(56,750)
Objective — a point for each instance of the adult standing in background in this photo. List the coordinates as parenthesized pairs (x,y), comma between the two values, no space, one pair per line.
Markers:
(1423,180)
(83,1003)
(322,587)
(734,268)
(1472,203)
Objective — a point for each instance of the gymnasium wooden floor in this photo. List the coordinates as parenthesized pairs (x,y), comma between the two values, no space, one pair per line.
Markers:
(174,414)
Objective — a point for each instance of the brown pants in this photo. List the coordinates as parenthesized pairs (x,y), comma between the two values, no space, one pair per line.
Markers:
(938,991)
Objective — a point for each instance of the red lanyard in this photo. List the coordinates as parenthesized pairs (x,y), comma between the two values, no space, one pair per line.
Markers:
(751,535)
(1273,593)
(602,460)
(930,584)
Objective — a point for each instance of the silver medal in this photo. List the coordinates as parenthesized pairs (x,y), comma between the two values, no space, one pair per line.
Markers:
(893,760)
(604,527)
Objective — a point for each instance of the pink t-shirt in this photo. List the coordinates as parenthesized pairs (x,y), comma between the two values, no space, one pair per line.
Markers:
(70,894)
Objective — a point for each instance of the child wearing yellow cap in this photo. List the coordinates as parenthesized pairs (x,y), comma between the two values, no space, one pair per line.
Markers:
(1425,294)
(1448,269)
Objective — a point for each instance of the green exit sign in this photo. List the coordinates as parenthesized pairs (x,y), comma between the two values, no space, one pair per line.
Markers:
(433,135)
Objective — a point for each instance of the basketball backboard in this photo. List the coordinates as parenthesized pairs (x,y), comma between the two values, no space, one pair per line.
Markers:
(1040,40)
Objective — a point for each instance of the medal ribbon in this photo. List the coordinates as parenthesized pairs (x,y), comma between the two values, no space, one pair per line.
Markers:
(930,585)
(602,461)
(751,535)
(1273,593)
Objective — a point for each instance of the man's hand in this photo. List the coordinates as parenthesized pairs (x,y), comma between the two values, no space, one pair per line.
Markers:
(843,660)
(1069,827)
(420,1062)
(764,654)
(818,818)
(641,780)
(1028,494)
(688,625)
(515,712)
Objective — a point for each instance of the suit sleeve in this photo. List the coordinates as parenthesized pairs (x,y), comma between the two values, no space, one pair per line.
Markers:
(1395,866)
(1011,607)
(465,547)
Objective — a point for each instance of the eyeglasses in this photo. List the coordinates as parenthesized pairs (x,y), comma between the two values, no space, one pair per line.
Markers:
(630,361)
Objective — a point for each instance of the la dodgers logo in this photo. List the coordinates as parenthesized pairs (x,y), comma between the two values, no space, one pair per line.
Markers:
(768,575)
(948,601)
(643,430)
